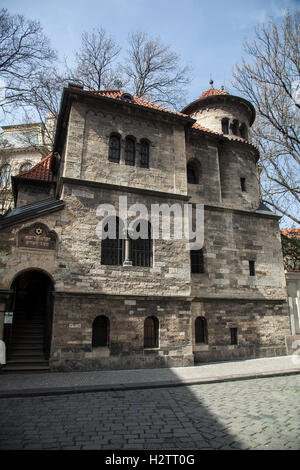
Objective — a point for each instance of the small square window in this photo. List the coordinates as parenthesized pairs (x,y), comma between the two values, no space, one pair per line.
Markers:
(233,336)
(252,268)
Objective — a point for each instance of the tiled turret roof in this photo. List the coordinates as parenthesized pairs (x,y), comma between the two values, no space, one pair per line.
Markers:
(41,171)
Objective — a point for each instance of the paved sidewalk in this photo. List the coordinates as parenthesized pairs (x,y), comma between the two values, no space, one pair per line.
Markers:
(56,383)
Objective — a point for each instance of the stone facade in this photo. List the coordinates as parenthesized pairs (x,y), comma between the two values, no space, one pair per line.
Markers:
(245,315)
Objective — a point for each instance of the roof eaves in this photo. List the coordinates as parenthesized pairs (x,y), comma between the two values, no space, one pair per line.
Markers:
(30,211)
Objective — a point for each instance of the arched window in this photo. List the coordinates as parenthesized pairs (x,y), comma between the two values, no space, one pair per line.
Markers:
(197,261)
(225,126)
(26,166)
(100,336)
(243,131)
(4,176)
(201,330)
(141,248)
(144,154)
(130,151)
(114,148)
(192,171)
(112,246)
(151,332)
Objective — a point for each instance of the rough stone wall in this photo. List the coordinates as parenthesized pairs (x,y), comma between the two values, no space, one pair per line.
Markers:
(72,333)
(88,143)
(205,153)
(261,329)
(231,239)
(236,163)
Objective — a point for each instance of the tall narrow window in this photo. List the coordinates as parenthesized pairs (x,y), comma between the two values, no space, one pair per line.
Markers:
(112,246)
(130,151)
(151,332)
(201,330)
(235,127)
(144,154)
(243,184)
(225,126)
(100,336)
(193,171)
(197,261)
(233,336)
(243,131)
(141,248)
(252,268)
(4,176)
(114,148)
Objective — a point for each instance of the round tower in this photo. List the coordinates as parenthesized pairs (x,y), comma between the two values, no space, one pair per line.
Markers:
(221,112)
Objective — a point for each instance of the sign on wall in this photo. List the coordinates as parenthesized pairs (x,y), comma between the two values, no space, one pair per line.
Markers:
(37,236)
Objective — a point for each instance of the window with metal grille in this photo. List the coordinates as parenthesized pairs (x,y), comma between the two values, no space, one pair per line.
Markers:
(144,154)
(130,151)
(113,249)
(197,261)
(100,335)
(151,332)
(233,336)
(200,330)
(141,248)
(114,148)
(252,268)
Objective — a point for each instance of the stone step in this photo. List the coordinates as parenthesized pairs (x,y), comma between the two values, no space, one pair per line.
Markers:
(27,360)
(25,368)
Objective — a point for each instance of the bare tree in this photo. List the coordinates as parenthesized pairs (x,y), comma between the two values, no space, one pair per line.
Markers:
(95,62)
(25,53)
(270,79)
(154,72)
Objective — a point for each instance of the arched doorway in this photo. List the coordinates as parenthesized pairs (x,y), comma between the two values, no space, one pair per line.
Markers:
(29,341)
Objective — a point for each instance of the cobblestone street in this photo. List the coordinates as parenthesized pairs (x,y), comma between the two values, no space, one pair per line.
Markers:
(248,414)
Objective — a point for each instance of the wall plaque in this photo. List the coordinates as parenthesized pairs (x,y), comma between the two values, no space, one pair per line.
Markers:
(37,236)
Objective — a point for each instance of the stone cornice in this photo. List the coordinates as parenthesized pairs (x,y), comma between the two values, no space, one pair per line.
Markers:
(128,189)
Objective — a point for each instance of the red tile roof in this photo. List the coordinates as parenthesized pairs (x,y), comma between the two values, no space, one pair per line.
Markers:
(117,94)
(291,232)
(212,92)
(41,171)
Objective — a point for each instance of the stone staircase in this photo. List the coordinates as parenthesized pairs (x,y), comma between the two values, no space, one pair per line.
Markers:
(25,351)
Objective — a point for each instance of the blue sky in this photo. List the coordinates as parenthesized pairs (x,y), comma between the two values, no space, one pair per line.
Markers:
(207,34)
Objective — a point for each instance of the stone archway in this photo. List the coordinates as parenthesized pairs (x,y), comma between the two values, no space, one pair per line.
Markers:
(29,336)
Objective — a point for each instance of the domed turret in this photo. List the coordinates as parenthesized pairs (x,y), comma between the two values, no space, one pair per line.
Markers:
(221,112)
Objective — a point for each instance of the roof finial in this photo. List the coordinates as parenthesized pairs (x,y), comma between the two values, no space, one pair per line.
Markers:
(211,82)
(222,87)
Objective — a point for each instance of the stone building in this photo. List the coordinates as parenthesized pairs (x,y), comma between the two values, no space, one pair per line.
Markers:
(80,302)
(21,147)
